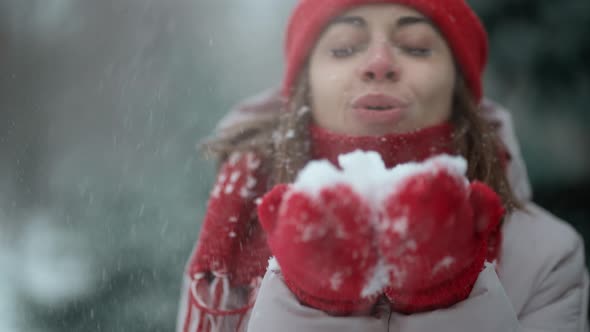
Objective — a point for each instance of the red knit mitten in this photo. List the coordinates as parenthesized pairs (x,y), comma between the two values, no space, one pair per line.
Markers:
(435,230)
(229,234)
(231,254)
(324,245)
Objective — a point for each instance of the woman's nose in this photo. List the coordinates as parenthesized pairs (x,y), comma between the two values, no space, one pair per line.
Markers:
(379,65)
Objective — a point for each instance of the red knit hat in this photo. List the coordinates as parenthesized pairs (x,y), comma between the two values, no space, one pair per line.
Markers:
(455,19)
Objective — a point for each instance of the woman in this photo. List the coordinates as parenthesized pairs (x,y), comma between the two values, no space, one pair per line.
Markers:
(401,78)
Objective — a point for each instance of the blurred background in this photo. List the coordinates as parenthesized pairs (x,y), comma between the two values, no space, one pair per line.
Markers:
(101,188)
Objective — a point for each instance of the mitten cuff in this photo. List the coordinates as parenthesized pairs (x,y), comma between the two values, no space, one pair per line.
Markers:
(444,294)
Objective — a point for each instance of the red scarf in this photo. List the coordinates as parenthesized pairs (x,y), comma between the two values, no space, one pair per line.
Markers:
(394,148)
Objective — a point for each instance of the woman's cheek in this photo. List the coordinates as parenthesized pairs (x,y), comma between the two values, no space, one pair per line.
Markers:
(432,81)
(328,85)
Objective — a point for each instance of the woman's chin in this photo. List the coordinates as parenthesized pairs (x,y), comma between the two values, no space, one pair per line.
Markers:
(357,128)
(377,122)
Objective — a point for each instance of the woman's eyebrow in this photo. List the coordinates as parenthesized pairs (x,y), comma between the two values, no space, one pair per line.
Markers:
(402,22)
(351,20)
(405,21)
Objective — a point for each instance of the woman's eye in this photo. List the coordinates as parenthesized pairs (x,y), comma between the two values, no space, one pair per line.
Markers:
(343,52)
(417,51)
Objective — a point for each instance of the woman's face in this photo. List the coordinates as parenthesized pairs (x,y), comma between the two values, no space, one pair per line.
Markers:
(381,69)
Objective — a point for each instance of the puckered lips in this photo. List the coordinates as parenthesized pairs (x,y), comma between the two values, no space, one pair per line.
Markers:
(378,108)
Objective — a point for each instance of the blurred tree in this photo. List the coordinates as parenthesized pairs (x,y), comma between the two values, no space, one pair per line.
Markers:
(540,49)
